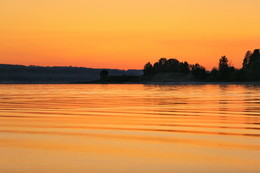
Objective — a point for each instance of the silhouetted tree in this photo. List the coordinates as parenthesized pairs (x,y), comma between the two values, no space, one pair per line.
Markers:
(223,69)
(255,56)
(173,65)
(225,72)
(162,65)
(254,65)
(223,63)
(184,67)
(198,71)
(103,75)
(156,68)
(246,59)
(166,66)
(148,69)
(213,74)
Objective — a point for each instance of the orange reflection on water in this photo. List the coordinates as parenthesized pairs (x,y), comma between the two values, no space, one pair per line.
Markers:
(129,128)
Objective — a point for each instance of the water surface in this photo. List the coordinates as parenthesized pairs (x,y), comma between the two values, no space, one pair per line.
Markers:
(129,129)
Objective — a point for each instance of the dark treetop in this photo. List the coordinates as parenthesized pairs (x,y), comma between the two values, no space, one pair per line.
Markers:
(225,72)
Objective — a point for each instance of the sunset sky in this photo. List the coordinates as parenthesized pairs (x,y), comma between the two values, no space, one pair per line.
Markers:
(126,34)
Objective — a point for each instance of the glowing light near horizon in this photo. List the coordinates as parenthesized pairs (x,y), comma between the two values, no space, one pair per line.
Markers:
(126,34)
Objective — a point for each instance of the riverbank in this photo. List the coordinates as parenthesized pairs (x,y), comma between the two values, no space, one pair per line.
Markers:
(142,82)
(177,83)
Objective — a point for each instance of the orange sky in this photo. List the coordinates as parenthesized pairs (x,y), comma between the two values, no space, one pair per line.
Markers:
(126,34)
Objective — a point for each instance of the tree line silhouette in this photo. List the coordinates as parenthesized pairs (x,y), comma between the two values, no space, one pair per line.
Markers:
(250,70)
(55,74)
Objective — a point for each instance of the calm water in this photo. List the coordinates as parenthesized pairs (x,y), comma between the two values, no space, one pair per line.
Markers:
(129,129)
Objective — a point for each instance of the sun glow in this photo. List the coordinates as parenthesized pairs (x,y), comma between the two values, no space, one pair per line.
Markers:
(126,34)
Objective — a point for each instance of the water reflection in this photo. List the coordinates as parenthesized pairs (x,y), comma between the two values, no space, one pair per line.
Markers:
(129,128)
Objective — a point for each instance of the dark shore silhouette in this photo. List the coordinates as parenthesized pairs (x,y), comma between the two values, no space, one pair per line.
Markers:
(19,74)
(165,70)
(174,70)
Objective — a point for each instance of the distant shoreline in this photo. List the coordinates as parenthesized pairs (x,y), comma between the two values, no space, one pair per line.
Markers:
(140,83)
(178,83)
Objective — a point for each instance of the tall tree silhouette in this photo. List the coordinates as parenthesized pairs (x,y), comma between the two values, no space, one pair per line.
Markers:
(223,63)
(148,69)
(247,59)
(225,72)
(223,69)
(254,65)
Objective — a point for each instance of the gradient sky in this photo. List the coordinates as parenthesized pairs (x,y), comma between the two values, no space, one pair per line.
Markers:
(127,33)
